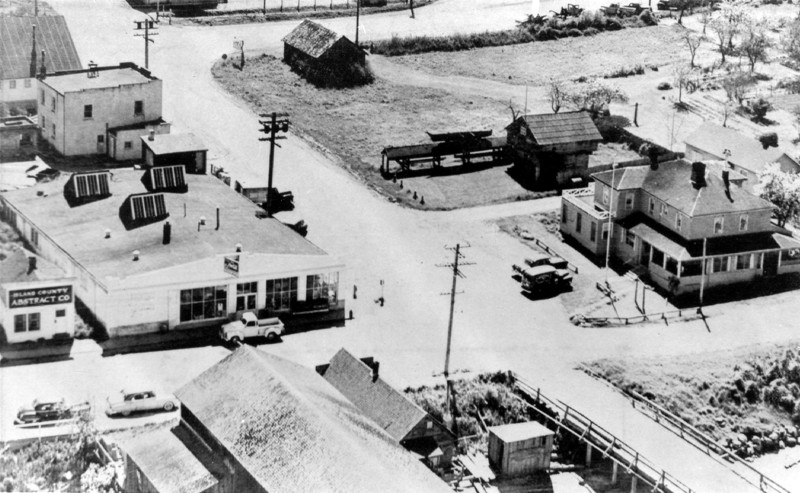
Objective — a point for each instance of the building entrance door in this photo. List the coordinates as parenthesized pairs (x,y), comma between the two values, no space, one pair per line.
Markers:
(644,257)
(61,322)
(770,264)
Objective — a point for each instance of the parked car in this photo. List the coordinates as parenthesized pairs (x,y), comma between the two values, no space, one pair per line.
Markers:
(43,410)
(251,326)
(632,9)
(134,402)
(544,278)
(612,9)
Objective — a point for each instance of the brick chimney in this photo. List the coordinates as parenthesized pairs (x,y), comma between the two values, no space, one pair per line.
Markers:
(31,264)
(33,53)
(698,175)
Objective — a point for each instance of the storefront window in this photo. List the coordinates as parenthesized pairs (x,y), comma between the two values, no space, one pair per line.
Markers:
(204,303)
(719,264)
(323,286)
(671,265)
(743,261)
(690,268)
(26,322)
(281,294)
(246,296)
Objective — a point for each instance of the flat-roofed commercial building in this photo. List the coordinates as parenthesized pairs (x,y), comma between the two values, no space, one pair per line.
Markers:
(161,249)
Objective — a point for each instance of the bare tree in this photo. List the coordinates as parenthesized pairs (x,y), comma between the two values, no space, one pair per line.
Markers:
(790,41)
(705,15)
(726,24)
(735,86)
(595,95)
(683,78)
(558,94)
(755,42)
(693,42)
(727,107)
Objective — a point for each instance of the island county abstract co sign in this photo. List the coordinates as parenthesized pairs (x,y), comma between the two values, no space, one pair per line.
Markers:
(24,298)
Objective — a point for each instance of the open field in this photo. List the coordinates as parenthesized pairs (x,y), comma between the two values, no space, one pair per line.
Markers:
(356,124)
(567,58)
(745,398)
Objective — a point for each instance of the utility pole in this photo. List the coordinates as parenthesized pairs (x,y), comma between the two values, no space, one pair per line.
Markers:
(456,274)
(702,274)
(277,122)
(610,217)
(358,17)
(147,25)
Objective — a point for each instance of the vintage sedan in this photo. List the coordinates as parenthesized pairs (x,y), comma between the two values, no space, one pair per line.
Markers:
(135,402)
(43,410)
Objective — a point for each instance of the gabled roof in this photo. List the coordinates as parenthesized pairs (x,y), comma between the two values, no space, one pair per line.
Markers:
(516,432)
(292,431)
(382,403)
(312,39)
(671,183)
(52,36)
(562,128)
(168,465)
(746,152)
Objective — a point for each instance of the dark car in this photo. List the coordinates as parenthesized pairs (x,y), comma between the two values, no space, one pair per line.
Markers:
(43,410)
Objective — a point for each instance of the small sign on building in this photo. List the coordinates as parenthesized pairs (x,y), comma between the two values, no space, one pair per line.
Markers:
(231,265)
(40,296)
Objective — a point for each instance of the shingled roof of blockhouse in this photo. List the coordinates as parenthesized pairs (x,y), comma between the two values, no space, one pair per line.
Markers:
(312,39)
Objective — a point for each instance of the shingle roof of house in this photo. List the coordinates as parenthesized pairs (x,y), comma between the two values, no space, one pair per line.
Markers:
(168,465)
(562,128)
(312,39)
(52,36)
(671,183)
(292,431)
(746,152)
(389,408)
(80,230)
(16,268)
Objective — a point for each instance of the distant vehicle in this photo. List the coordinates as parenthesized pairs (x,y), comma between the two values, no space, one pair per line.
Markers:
(612,9)
(545,278)
(251,326)
(134,402)
(281,201)
(632,9)
(48,410)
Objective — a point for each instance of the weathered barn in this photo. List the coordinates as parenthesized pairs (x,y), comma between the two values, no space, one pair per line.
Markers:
(520,448)
(550,149)
(322,56)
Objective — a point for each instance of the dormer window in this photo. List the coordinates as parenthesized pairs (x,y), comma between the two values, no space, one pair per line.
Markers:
(743,219)
(678,221)
(605,195)
(652,206)
(718,225)
(663,209)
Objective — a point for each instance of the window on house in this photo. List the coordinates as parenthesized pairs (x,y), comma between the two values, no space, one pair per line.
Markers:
(87,111)
(128,144)
(658,257)
(53,103)
(652,207)
(691,268)
(630,238)
(138,108)
(204,303)
(718,224)
(323,286)
(27,83)
(628,201)
(281,294)
(663,209)
(678,221)
(34,238)
(101,139)
(61,313)
(743,222)
(578,220)
(41,96)
(27,322)
(246,296)
(605,232)
(44,122)
(593,231)
(605,195)
(719,264)
(54,130)
(12,84)
(564,213)
(743,262)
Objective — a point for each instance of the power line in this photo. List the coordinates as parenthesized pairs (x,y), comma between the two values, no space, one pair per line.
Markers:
(277,122)
(146,25)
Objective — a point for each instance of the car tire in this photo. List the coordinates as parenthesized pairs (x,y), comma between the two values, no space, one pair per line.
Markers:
(272,337)
(236,340)
(169,406)
(127,412)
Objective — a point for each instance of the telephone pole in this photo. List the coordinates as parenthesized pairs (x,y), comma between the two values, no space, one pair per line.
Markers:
(146,25)
(358,17)
(277,122)
(450,404)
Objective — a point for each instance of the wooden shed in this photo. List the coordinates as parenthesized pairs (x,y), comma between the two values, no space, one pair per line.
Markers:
(520,448)
(322,56)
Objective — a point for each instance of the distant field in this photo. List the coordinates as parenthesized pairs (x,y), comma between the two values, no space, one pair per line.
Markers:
(567,58)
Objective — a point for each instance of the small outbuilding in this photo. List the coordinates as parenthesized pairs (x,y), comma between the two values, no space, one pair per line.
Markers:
(324,57)
(520,448)
(18,135)
(174,149)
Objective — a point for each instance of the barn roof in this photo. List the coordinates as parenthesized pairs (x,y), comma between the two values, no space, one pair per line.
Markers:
(562,128)
(52,36)
(312,39)
(292,431)
(389,408)
(516,432)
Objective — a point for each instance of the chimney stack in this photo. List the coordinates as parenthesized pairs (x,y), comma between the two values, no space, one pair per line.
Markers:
(726,179)
(217,218)
(31,264)
(167,233)
(92,70)
(135,255)
(238,247)
(698,175)
(33,54)
(152,135)
(108,233)
(43,68)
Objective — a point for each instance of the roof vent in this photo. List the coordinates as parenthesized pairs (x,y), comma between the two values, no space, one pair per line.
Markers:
(698,175)
(92,70)
(135,255)
(152,135)
(238,247)
(108,233)
(31,264)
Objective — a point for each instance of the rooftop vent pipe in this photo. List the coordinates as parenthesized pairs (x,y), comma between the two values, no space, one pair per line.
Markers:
(135,255)
(698,175)
(217,218)
(238,247)
(108,233)
(152,135)
(167,233)
(31,264)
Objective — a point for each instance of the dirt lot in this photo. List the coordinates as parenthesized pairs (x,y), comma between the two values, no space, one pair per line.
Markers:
(356,124)
(568,58)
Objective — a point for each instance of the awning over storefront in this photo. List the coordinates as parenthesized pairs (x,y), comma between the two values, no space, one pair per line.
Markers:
(657,240)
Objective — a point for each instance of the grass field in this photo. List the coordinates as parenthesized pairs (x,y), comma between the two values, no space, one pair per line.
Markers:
(568,58)
(356,124)
(749,391)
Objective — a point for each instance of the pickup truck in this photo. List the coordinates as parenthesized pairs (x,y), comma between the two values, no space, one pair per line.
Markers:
(251,326)
(632,9)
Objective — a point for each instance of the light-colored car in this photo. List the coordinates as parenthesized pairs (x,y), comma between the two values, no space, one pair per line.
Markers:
(136,402)
(251,326)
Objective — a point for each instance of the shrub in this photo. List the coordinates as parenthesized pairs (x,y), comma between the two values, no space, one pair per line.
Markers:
(574,33)
(547,34)
(647,18)
(769,139)
(613,25)
(664,86)
(760,107)
(590,31)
